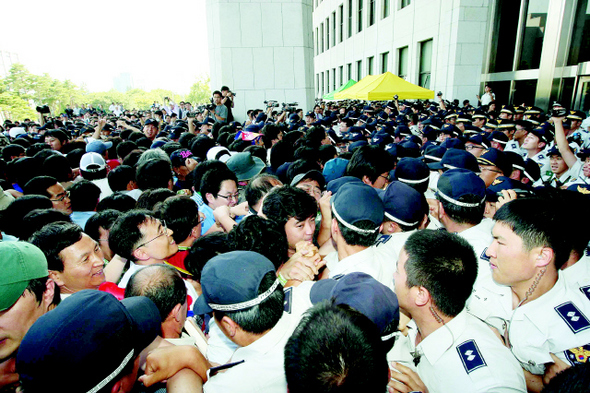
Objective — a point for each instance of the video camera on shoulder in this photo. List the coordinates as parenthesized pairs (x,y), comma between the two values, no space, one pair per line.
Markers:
(43,109)
(558,112)
(290,106)
(271,104)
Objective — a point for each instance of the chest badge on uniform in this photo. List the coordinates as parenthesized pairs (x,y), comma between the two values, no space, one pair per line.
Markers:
(484,256)
(578,354)
(586,291)
(470,356)
(573,317)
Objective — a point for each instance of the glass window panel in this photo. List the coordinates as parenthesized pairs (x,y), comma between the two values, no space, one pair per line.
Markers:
(534,32)
(580,44)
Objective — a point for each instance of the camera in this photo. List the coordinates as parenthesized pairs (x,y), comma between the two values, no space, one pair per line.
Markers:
(210,107)
(43,109)
(271,104)
(290,106)
(395,97)
(439,94)
(558,112)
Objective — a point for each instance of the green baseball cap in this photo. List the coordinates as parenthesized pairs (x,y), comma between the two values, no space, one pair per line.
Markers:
(20,263)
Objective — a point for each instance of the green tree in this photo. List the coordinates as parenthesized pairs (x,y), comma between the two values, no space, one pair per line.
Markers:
(200,91)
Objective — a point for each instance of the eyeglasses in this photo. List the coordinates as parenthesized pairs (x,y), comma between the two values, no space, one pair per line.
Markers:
(234,197)
(163,232)
(471,147)
(385,177)
(202,218)
(311,189)
(61,197)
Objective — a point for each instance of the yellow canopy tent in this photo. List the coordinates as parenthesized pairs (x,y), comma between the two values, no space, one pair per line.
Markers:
(383,87)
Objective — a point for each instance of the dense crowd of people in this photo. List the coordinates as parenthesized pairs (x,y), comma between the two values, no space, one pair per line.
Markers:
(378,246)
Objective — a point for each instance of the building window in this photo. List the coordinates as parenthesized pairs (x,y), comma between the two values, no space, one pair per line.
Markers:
(359,21)
(334,29)
(317,84)
(327,33)
(504,38)
(534,32)
(371,12)
(317,42)
(341,72)
(370,65)
(341,14)
(359,70)
(580,46)
(333,79)
(321,38)
(323,91)
(384,60)
(425,63)
(386,12)
(327,81)
(402,62)
(404,3)
(349,18)
(349,71)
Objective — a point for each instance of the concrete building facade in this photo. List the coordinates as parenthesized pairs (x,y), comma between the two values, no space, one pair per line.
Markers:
(262,50)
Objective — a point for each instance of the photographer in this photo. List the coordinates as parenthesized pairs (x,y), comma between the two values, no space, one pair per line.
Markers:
(220,111)
(228,101)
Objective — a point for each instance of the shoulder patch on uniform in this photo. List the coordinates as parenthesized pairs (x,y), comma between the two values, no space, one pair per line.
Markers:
(540,157)
(573,317)
(470,356)
(586,291)
(288,299)
(484,256)
(382,240)
(578,354)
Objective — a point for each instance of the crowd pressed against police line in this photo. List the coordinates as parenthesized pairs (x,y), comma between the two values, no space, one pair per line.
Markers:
(395,246)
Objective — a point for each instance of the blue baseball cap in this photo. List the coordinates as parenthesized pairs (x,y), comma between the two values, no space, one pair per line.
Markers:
(497,158)
(361,292)
(455,158)
(403,204)
(92,335)
(358,202)
(505,183)
(334,168)
(230,282)
(455,183)
(334,185)
(433,153)
(99,147)
(413,172)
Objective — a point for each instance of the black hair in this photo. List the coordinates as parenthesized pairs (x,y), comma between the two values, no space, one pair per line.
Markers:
(261,317)
(257,187)
(124,148)
(171,147)
(36,148)
(117,201)
(370,161)
(326,153)
(263,236)
(186,139)
(181,214)
(74,157)
(283,203)
(572,379)
(125,232)
(211,181)
(150,198)
(39,185)
(463,214)
(162,284)
(103,219)
(204,167)
(354,238)
(11,218)
(21,170)
(12,150)
(84,196)
(202,250)
(57,166)
(257,151)
(301,166)
(120,177)
(38,286)
(57,134)
(38,218)
(269,133)
(335,349)
(443,263)
(314,136)
(281,152)
(539,224)
(53,238)
(153,174)
(200,146)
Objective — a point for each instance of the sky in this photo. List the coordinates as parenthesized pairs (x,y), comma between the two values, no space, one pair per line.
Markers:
(162,44)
